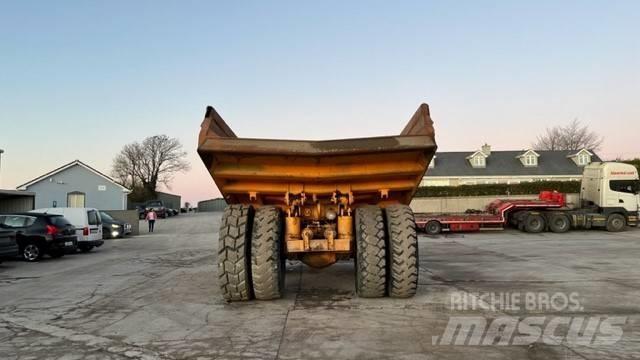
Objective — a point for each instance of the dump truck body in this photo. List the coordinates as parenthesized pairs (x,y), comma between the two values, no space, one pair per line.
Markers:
(315,188)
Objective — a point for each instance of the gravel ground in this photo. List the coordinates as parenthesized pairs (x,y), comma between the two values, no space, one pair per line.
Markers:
(155,296)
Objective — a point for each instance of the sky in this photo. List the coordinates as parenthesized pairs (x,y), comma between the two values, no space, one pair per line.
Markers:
(80,79)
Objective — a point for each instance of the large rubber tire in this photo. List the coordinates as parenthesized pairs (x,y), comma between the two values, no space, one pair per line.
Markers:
(616,223)
(433,227)
(234,244)
(403,251)
(516,218)
(267,258)
(534,223)
(559,223)
(371,252)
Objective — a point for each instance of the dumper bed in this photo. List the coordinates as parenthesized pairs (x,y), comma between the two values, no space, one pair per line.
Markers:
(317,202)
(266,167)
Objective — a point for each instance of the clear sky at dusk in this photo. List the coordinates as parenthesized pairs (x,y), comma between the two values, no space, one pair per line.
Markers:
(79,79)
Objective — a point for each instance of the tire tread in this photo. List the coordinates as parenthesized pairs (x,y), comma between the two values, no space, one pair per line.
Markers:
(370,252)
(403,251)
(267,268)
(234,242)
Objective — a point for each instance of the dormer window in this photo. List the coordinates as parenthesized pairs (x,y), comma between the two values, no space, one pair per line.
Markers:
(478,159)
(582,157)
(529,158)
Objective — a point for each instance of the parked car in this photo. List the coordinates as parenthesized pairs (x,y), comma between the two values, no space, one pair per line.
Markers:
(158,207)
(8,243)
(142,211)
(175,212)
(87,222)
(113,228)
(40,234)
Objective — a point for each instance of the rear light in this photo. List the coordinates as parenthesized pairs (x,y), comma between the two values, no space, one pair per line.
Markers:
(51,230)
(85,231)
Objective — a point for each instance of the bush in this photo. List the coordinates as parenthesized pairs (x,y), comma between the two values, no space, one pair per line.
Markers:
(531,188)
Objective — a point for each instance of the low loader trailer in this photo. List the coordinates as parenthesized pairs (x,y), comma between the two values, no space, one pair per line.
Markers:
(317,202)
(608,199)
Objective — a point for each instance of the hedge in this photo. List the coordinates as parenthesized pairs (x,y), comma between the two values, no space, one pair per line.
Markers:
(529,188)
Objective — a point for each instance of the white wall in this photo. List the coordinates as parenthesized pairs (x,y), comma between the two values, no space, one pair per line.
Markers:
(462,203)
(472,180)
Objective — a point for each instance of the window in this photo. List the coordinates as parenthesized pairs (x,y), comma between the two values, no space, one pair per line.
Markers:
(625,186)
(584,159)
(60,221)
(93,217)
(14,221)
(530,160)
(105,216)
(75,199)
(479,161)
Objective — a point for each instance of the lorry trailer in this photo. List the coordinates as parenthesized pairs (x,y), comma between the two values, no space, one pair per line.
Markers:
(317,202)
(608,199)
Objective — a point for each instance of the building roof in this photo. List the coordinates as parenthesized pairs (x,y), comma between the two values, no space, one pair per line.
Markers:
(506,163)
(67,166)
(4,194)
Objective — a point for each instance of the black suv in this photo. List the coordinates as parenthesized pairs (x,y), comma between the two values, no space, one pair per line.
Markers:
(8,245)
(39,234)
(113,228)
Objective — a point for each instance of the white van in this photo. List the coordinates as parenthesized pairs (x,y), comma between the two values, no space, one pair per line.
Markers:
(87,222)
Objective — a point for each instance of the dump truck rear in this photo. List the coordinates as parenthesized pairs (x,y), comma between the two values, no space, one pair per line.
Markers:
(317,202)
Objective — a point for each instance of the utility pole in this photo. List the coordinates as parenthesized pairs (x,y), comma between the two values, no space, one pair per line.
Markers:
(1,152)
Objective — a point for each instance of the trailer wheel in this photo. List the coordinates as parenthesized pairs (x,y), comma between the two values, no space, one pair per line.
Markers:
(267,260)
(559,223)
(515,219)
(370,252)
(234,273)
(534,223)
(616,223)
(433,227)
(403,251)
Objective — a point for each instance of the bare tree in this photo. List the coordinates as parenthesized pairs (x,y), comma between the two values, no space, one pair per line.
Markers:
(125,165)
(573,136)
(146,165)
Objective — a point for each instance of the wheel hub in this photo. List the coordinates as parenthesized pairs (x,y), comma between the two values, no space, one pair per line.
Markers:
(31,252)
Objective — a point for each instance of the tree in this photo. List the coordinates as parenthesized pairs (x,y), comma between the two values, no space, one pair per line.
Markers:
(143,166)
(573,136)
(125,165)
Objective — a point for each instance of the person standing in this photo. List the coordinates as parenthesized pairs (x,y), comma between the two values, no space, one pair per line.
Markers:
(151,219)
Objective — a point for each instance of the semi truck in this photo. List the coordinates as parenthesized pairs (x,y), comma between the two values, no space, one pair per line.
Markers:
(317,202)
(608,200)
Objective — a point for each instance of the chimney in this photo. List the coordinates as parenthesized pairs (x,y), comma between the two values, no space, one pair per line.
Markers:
(486,149)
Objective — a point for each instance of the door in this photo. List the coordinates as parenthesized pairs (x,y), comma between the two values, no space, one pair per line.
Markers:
(624,193)
(75,199)
(95,225)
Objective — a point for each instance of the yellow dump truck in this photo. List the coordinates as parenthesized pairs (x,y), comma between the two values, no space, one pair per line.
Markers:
(317,202)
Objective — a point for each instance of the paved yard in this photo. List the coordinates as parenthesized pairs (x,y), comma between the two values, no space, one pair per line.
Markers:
(155,296)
